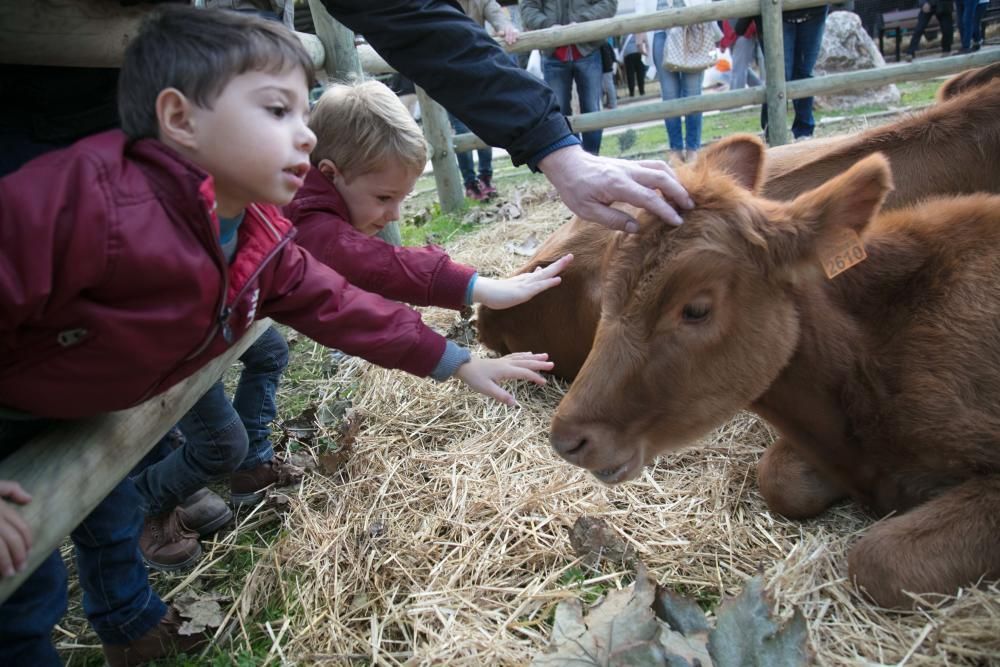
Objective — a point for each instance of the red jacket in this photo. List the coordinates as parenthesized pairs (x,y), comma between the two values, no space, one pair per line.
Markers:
(113,286)
(421,276)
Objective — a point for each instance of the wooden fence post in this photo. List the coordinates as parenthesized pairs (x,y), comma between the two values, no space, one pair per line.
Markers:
(774,68)
(437,130)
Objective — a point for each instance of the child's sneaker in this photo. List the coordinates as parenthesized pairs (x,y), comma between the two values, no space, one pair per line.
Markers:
(474,191)
(163,640)
(204,512)
(166,545)
(486,187)
(248,486)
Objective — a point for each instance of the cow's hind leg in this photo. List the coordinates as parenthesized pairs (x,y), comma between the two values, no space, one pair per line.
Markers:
(951,541)
(791,486)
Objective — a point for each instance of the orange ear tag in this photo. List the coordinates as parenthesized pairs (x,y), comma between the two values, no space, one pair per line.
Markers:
(841,251)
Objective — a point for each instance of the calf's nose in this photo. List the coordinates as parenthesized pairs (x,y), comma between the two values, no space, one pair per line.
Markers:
(570,442)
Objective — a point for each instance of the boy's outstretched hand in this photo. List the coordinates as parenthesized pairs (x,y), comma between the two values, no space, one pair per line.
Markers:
(15,536)
(483,374)
(509,292)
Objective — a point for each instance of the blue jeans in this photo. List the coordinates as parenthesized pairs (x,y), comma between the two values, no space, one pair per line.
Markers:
(802,42)
(674,86)
(465,163)
(588,73)
(222,435)
(117,598)
(970,19)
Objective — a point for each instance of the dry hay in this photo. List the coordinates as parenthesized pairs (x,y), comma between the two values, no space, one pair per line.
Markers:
(444,537)
(444,540)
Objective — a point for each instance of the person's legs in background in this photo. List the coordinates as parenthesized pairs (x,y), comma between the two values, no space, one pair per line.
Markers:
(978,35)
(923,18)
(669,90)
(967,23)
(485,156)
(690,86)
(610,92)
(466,166)
(587,74)
(807,39)
(947,27)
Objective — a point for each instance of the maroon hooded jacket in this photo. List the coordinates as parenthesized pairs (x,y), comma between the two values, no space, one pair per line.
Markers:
(113,285)
(419,276)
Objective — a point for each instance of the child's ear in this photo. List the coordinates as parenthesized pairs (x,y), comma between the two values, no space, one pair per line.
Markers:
(328,169)
(173,113)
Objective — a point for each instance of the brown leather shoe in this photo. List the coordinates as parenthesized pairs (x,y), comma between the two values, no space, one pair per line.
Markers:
(166,545)
(161,641)
(248,486)
(204,512)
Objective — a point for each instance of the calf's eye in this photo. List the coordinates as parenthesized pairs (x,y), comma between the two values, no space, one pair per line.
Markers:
(695,312)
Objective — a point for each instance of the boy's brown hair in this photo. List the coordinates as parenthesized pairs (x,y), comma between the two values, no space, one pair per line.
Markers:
(363,126)
(198,52)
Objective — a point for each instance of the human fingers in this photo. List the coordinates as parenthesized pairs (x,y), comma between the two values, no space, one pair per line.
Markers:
(537,356)
(14,491)
(498,393)
(13,545)
(527,370)
(643,193)
(555,268)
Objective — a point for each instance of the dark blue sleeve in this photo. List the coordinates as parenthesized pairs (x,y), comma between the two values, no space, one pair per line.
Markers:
(443,51)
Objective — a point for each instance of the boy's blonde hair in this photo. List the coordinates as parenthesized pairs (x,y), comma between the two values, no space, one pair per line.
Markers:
(362,127)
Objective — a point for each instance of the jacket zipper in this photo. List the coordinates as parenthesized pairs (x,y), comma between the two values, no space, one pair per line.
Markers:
(226,311)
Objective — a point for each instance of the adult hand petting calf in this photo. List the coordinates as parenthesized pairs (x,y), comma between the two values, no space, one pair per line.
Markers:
(589,184)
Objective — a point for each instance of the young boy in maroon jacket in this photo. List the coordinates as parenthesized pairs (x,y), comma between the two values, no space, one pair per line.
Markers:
(369,153)
(115,284)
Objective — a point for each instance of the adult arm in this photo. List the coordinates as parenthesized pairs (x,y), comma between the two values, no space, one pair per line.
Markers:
(443,51)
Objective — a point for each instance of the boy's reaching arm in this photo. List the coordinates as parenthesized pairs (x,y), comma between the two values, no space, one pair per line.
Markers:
(509,292)
(15,536)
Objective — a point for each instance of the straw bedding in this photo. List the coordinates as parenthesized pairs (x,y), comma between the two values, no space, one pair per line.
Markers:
(444,539)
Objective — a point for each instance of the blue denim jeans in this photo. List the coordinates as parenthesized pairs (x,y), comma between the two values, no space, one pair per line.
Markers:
(588,73)
(674,86)
(802,42)
(465,162)
(222,435)
(969,18)
(117,598)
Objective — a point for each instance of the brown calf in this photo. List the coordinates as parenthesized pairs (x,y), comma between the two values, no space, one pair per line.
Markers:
(884,382)
(952,148)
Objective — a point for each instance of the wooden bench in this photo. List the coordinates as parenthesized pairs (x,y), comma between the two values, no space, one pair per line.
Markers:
(895,24)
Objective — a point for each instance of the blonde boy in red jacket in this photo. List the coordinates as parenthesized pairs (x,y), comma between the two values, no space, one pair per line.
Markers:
(369,153)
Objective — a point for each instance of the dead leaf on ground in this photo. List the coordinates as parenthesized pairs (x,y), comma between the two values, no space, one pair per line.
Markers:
(199,611)
(646,625)
(347,433)
(302,428)
(525,248)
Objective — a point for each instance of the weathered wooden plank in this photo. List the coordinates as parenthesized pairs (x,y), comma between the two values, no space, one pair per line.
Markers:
(69,470)
(824,85)
(81,33)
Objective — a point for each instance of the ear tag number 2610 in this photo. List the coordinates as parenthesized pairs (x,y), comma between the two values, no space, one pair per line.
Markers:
(841,252)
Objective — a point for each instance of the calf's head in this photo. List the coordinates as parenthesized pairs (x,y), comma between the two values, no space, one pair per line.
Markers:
(698,320)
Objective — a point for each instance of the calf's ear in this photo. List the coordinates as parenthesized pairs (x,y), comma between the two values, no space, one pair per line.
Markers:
(741,155)
(849,200)
(819,219)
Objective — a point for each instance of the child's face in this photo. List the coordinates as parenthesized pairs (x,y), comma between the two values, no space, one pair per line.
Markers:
(373,199)
(254,141)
